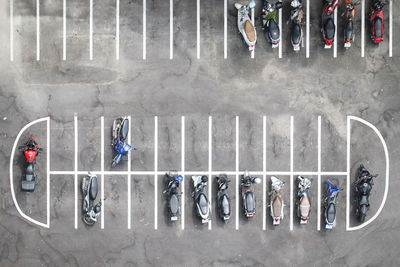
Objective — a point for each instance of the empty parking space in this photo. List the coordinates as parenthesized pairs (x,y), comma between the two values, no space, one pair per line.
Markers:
(131,30)
(169,143)
(185,29)
(142,138)
(305,143)
(211,29)
(333,146)
(197,140)
(158,29)
(251,143)
(62,203)
(116,202)
(62,144)
(224,132)
(89,144)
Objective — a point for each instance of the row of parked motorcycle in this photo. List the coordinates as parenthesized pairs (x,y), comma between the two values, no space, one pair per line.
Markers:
(120,129)
(272,32)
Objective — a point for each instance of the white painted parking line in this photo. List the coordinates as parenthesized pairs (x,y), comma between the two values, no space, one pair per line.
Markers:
(76,170)
(390,27)
(183,171)
(210,164)
(252,21)
(102,174)
(38,30)
(291,175)
(362,27)
(171,29)
(11,30)
(225,29)
(319,176)
(281,29)
(308,29)
(129,174)
(23,215)
(64,29)
(144,29)
(117,30)
(198,28)
(91,31)
(348,228)
(237,173)
(335,40)
(155,172)
(264,205)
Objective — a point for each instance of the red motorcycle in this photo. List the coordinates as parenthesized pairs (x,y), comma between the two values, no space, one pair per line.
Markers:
(31,150)
(328,24)
(376,20)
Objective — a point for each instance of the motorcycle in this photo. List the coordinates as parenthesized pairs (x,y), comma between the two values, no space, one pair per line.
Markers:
(303,202)
(330,205)
(271,28)
(31,150)
(172,191)
(90,212)
(363,186)
(328,24)
(348,28)
(223,200)
(245,26)
(296,16)
(119,134)
(276,200)
(247,189)
(376,20)
(203,208)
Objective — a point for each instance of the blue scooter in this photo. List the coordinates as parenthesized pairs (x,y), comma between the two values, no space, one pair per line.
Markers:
(330,205)
(119,134)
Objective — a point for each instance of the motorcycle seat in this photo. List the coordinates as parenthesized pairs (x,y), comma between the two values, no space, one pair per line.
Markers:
(203,203)
(349,30)
(273,30)
(296,33)
(277,206)
(249,30)
(249,201)
(174,204)
(331,212)
(125,129)
(378,27)
(30,172)
(329,28)
(364,200)
(225,205)
(305,205)
(93,188)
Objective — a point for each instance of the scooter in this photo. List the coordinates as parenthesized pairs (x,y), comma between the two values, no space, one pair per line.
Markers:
(202,203)
(328,24)
(276,200)
(245,26)
(119,134)
(271,28)
(223,200)
(173,193)
(296,16)
(363,186)
(90,212)
(247,189)
(31,150)
(376,20)
(303,202)
(348,28)
(330,205)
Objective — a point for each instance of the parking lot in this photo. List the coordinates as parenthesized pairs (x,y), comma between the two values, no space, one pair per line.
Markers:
(198,103)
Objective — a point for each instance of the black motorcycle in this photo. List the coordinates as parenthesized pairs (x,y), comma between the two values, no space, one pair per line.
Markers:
(247,190)
(363,186)
(90,211)
(202,205)
(223,200)
(173,193)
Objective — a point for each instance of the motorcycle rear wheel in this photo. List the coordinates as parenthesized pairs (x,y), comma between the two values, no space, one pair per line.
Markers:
(361,217)
(87,220)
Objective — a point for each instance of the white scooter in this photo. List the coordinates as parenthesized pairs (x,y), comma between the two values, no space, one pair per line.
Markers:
(276,201)
(203,209)
(245,26)
(303,202)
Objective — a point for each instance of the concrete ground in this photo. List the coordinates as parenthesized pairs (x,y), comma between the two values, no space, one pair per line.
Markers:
(195,88)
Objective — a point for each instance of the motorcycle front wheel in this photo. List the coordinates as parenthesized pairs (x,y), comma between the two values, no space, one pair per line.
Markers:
(87,220)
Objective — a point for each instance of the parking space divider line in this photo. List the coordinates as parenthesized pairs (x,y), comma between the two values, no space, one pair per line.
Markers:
(64,30)
(37,30)
(348,173)
(117,30)
(144,29)
(225,29)
(390,27)
(11,30)
(291,175)
(319,176)
(237,172)
(281,33)
(76,170)
(102,174)
(156,172)
(183,170)
(91,31)
(198,29)
(308,29)
(252,21)
(171,29)
(210,166)
(336,40)
(48,172)
(264,206)
(362,27)
(129,175)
